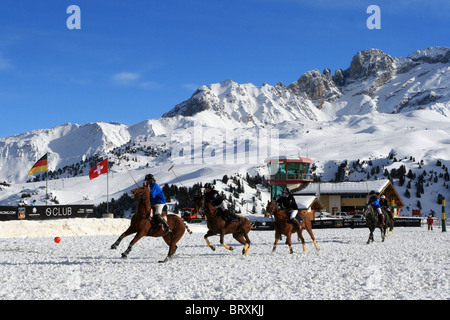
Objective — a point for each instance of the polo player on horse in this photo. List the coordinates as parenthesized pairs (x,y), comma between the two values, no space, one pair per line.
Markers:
(157,201)
(289,205)
(212,196)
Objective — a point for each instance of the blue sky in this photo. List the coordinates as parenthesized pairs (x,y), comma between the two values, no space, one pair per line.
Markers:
(135,60)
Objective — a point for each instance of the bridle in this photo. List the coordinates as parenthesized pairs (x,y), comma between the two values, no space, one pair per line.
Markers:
(271,208)
(202,206)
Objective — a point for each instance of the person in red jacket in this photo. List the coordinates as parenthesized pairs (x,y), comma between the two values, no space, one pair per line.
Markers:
(430,221)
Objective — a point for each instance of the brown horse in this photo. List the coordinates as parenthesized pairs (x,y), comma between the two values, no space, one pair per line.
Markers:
(283,226)
(216,225)
(141,224)
(390,223)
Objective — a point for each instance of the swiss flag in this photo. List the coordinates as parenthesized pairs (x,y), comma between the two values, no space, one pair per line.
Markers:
(99,169)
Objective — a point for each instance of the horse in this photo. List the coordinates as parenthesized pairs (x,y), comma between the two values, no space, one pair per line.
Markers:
(216,225)
(283,226)
(142,225)
(373,222)
(389,223)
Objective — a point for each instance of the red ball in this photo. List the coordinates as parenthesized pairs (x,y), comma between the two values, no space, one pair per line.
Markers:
(57,239)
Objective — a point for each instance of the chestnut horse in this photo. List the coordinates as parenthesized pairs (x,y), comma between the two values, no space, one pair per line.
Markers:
(216,225)
(141,224)
(284,226)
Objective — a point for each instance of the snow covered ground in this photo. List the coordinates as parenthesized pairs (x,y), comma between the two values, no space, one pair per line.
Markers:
(411,264)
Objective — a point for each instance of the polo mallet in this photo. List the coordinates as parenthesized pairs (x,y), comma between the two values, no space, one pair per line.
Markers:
(173,171)
(126,167)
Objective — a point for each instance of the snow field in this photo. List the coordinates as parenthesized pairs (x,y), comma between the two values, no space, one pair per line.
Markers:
(411,264)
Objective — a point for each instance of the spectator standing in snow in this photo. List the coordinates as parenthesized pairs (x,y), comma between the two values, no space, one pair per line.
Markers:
(430,221)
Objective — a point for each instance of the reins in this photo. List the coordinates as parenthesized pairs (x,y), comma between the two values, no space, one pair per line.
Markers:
(202,208)
(140,197)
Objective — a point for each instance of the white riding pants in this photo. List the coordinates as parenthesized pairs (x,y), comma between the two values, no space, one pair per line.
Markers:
(222,206)
(157,208)
(292,214)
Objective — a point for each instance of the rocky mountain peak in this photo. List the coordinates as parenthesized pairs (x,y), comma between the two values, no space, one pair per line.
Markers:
(420,81)
(431,55)
(370,62)
(316,86)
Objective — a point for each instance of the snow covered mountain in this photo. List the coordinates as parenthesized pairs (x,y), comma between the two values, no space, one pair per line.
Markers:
(374,82)
(378,107)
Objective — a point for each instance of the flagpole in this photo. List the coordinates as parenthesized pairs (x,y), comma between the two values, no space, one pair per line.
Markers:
(46,184)
(107,185)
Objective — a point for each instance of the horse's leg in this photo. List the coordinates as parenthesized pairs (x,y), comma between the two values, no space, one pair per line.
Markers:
(288,236)
(127,232)
(246,249)
(208,234)
(370,235)
(136,238)
(171,241)
(300,237)
(309,229)
(239,236)
(277,237)
(222,235)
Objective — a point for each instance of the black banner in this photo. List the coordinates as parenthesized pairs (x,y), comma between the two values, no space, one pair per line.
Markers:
(46,212)
(8,213)
(339,223)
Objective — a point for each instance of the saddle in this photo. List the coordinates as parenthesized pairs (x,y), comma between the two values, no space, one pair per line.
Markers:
(157,225)
(228,216)
(297,217)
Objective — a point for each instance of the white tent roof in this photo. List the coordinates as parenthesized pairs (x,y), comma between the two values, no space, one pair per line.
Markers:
(304,202)
(350,187)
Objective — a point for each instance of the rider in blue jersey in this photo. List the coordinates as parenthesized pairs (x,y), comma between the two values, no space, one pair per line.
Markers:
(157,201)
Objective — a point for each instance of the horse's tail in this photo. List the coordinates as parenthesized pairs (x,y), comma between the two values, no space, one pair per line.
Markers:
(252,225)
(187,228)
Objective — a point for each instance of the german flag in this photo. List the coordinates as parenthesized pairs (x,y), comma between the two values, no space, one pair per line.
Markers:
(40,166)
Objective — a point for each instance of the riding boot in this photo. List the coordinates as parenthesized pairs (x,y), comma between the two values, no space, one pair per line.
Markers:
(164,223)
(154,225)
(233,216)
(227,218)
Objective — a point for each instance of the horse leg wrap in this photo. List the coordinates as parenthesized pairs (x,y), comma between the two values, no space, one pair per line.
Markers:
(291,251)
(317,247)
(227,246)
(210,245)
(114,246)
(304,247)
(246,249)
(274,247)
(125,254)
